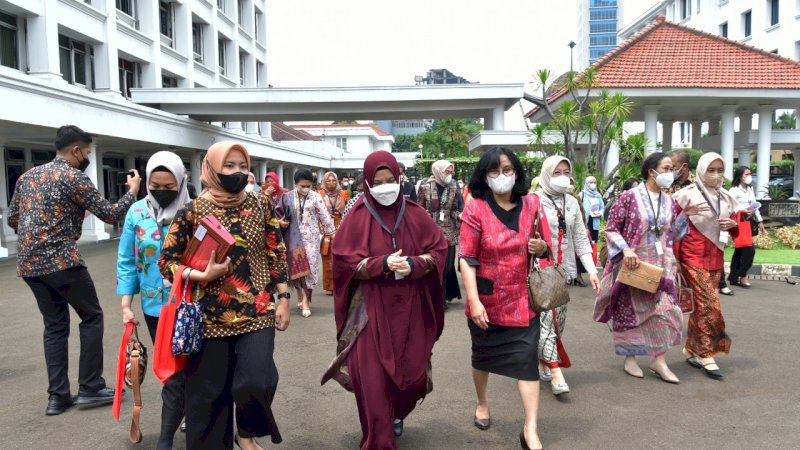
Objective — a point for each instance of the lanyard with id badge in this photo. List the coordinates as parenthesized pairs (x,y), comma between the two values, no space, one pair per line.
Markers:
(656,227)
(380,221)
(723,234)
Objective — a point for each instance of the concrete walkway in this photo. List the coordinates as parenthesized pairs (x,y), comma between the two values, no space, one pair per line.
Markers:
(757,406)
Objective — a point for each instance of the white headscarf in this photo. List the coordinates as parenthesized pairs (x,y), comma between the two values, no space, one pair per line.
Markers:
(548,166)
(693,194)
(173,163)
(588,191)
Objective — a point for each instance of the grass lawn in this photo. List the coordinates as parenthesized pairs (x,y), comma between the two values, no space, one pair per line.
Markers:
(778,255)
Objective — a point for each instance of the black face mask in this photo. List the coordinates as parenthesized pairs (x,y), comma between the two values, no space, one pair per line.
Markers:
(164,197)
(233,183)
(83,164)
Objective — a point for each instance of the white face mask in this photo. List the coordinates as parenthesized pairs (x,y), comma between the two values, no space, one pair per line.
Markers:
(303,191)
(560,183)
(461,185)
(345,183)
(592,186)
(665,180)
(385,194)
(748,180)
(448,179)
(503,184)
(250,188)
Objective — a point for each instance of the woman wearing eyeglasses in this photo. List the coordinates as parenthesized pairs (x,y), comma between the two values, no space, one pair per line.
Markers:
(701,256)
(441,198)
(568,240)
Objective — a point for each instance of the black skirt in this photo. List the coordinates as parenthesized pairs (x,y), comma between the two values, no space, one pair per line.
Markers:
(507,351)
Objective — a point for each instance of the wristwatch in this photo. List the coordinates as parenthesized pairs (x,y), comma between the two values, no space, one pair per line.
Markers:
(287,295)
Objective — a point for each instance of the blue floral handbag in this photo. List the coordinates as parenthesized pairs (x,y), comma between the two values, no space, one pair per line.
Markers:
(188,335)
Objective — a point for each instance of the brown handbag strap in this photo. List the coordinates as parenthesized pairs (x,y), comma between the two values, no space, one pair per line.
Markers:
(136,433)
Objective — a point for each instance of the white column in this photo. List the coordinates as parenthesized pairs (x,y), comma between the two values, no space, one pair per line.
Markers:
(265,130)
(667,129)
(796,127)
(713,127)
(262,171)
(7,235)
(697,133)
(744,157)
(251,128)
(94,228)
(196,162)
(796,153)
(612,157)
(106,57)
(42,37)
(650,128)
(281,175)
(745,121)
(498,119)
(764,149)
(149,24)
(726,139)
(28,157)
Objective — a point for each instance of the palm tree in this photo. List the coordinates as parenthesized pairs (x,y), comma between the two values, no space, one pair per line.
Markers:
(786,121)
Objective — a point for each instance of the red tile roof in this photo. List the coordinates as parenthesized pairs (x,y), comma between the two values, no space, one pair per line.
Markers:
(377,129)
(283,132)
(669,55)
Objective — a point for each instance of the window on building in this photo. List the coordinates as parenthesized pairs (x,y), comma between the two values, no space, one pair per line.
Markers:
(602,13)
(128,7)
(258,17)
(240,12)
(603,39)
(76,61)
(341,143)
(129,76)
(774,7)
(602,3)
(686,9)
(9,55)
(222,61)
(747,23)
(197,41)
(167,21)
(169,82)
(723,29)
(221,5)
(602,26)
(242,67)
(260,71)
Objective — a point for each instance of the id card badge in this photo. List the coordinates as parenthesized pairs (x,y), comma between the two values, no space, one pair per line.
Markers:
(441,216)
(723,237)
(659,248)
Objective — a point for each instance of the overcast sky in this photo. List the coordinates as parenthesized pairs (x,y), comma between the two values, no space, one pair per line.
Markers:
(324,43)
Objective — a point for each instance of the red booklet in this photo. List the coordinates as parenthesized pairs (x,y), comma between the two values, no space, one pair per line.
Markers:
(209,236)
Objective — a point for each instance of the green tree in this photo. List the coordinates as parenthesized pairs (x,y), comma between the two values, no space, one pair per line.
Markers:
(600,118)
(404,143)
(448,137)
(786,121)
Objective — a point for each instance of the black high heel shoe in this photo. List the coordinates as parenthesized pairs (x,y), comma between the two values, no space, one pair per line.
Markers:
(524,444)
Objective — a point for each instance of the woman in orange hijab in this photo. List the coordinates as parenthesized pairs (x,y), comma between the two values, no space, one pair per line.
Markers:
(240,312)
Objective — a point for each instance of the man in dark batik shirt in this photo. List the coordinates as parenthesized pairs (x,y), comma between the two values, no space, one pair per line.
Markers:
(47,213)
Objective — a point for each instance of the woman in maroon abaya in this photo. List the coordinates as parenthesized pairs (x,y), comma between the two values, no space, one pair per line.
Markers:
(387,268)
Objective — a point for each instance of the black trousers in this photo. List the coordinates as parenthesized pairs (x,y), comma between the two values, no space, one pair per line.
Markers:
(237,369)
(741,262)
(172,395)
(54,292)
(449,278)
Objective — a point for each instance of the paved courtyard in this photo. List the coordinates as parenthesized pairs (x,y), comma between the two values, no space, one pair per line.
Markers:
(757,406)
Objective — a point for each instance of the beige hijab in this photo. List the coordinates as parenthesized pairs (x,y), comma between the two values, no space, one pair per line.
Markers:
(548,166)
(438,168)
(212,164)
(706,222)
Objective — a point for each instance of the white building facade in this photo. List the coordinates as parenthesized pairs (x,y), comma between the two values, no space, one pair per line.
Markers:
(76,61)
(771,25)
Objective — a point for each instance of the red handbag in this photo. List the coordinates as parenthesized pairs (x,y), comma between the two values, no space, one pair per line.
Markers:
(165,364)
(744,236)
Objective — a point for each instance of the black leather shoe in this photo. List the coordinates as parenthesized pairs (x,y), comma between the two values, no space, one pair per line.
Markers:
(57,405)
(482,424)
(103,396)
(398,427)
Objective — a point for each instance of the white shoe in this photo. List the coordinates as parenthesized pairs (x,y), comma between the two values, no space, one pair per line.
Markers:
(545,375)
(559,388)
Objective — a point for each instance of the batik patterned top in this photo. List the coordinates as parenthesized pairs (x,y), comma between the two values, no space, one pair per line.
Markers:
(444,209)
(47,212)
(137,259)
(240,301)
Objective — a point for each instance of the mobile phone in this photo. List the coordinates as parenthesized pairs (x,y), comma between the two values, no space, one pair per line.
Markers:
(122,177)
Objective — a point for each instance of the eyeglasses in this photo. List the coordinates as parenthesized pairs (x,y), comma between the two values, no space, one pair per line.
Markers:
(449,172)
(330,181)
(507,171)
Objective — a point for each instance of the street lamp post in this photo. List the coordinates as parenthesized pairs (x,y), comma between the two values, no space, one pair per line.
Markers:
(571,46)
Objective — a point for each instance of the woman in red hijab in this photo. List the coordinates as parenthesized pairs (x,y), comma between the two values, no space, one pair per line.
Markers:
(387,267)
(272,188)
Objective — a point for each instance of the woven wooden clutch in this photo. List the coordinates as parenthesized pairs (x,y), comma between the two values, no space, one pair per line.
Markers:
(645,277)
